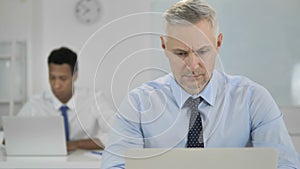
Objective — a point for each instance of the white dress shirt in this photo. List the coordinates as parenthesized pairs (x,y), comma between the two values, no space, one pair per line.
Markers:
(89,113)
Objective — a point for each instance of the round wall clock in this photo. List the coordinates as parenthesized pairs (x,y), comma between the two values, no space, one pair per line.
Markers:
(87,11)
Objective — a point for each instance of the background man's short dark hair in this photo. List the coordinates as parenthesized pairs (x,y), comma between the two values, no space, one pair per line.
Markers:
(64,55)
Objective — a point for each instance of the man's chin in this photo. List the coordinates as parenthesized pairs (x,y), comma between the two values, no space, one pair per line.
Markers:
(57,95)
(193,90)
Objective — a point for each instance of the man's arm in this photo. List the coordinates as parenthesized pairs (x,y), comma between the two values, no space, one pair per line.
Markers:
(269,130)
(88,144)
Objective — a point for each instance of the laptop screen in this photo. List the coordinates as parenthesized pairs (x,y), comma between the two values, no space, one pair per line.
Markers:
(34,135)
(207,158)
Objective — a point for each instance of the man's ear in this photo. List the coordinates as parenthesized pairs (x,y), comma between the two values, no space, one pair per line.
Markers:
(220,40)
(75,76)
(162,42)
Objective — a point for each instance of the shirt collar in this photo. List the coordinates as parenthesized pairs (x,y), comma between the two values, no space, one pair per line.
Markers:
(208,94)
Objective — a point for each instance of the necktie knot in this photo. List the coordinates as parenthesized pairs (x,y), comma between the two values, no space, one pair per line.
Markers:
(64,109)
(193,103)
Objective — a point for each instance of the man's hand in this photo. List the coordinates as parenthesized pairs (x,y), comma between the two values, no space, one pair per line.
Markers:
(72,145)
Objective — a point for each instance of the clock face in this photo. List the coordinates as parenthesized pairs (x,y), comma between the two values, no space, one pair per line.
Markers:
(87,11)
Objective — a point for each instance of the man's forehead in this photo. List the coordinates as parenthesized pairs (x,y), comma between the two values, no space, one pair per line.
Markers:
(187,43)
(189,35)
(60,69)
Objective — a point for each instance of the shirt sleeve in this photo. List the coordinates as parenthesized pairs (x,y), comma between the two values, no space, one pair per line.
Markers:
(31,108)
(269,130)
(26,108)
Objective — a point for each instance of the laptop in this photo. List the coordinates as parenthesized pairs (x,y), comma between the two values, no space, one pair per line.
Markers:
(34,135)
(207,158)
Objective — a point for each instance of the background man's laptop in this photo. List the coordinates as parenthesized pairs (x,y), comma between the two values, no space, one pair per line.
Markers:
(207,158)
(34,135)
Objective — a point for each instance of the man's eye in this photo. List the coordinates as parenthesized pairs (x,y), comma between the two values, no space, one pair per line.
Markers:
(202,52)
(181,54)
(63,78)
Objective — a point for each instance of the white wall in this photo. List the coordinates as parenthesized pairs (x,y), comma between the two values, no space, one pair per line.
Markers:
(260,40)
(14,23)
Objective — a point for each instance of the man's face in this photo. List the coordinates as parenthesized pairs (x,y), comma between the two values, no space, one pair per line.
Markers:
(192,51)
(61,81)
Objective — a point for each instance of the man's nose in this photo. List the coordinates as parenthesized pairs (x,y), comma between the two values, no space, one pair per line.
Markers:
(192,61)
(56,84)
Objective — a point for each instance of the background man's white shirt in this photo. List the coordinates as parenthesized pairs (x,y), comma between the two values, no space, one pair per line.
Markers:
(89,113)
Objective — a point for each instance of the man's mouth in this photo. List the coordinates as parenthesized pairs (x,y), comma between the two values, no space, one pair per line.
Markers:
(193,77)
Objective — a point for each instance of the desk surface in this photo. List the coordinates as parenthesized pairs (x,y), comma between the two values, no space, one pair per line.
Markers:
(76,159)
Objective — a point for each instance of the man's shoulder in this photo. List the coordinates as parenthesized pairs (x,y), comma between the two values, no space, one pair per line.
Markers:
(161,83)
(239,81)
(82,91)
(41,98)
(150,94)
(37,104)
(84,96)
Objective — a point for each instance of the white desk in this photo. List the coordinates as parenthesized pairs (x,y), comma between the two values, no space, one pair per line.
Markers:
(77,159)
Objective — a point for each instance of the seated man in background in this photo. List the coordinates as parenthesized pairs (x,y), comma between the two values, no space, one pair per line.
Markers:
(86,126)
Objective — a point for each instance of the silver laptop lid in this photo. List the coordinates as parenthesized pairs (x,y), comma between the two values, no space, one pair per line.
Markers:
(34,135)
(207,158)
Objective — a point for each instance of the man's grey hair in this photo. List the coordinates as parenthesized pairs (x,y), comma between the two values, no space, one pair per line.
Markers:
(191,12)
